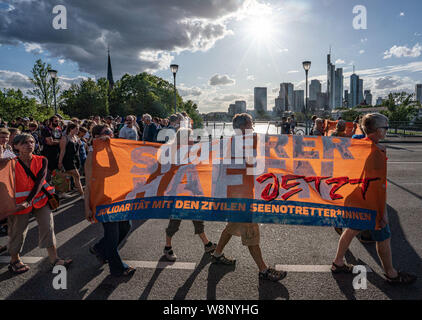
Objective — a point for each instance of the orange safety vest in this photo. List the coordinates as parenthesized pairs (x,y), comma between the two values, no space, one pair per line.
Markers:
(24,185)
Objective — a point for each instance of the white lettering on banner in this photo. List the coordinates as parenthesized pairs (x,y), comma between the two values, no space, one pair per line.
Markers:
(140,186)
(221,180)
(203,149)
(192,186)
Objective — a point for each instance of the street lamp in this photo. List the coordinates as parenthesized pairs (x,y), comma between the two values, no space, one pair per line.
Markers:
(306,66)
(53,75)
(174,68)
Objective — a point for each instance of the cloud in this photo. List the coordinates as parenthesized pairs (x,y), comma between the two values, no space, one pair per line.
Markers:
(403,51)
(33,47)
(340,61)
(223,80)
(293,71)
(388,82)
(189,92)
(61,61)
(361,51)
(363,40)
(250,78)
(143,35)
(14,80)
(401,14)
(227,98)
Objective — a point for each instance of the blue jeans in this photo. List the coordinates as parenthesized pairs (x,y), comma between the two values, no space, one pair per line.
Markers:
(107,247)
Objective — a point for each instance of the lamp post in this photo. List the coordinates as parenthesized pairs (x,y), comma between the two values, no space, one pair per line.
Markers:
(53,75)
(174,68)
(306,66)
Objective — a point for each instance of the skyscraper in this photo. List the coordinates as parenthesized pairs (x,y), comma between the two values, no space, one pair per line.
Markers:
(299,100)
(260,100)
(330,82)
(368,97)
(360,91)
(286,94)
(338,88)
(314,89)
(354,91)
(240,106)
(419,92)
(346,99)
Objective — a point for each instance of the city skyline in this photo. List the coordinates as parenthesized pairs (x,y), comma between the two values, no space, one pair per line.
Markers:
(224,50)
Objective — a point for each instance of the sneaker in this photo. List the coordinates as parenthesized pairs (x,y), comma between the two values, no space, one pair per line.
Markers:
(272,275)
(170,256)
(210,247)
(223,260)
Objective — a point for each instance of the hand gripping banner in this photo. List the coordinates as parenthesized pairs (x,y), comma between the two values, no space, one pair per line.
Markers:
(284,179)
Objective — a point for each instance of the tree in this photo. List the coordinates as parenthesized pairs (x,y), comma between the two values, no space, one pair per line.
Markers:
(350,115)
(86,99)
(400,107)
(43,85)
(14,104)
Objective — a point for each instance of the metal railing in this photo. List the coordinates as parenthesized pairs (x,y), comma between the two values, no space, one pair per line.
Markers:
(405,128)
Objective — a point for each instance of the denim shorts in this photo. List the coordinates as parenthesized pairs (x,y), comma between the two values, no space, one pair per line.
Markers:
(381,235)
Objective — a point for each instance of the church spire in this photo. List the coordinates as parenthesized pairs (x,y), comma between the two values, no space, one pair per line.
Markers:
(109,71)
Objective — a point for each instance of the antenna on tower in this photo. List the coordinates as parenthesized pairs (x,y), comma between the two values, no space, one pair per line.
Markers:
(353,68)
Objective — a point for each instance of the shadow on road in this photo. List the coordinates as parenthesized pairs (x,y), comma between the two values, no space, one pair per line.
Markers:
(404,258)
(184,289)
(272,290)
(150,285)
(215,274)
(104,290)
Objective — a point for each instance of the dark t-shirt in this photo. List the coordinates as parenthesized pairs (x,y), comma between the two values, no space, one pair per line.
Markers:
(51,152)
(285,128)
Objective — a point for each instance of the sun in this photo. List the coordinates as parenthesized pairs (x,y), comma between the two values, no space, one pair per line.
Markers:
(261,29)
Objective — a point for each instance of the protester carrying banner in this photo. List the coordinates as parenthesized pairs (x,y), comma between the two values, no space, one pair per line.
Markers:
(150,129)
(340,129)
(318,129)
(31,196)
(375,126)
(106,250)
(184,136)
(249,232)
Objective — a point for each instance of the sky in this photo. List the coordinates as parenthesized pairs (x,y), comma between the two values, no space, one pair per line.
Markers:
(224,48)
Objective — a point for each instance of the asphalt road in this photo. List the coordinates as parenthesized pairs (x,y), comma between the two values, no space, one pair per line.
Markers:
(306,251)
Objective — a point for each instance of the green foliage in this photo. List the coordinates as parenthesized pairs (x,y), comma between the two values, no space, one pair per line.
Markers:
(43,85)
(86,99)
(14,104)
(400,107)
(350,115)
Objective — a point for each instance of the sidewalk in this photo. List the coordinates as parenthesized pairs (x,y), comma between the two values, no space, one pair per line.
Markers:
(400,139)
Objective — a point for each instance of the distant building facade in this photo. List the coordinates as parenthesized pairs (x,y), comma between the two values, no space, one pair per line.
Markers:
(260,100)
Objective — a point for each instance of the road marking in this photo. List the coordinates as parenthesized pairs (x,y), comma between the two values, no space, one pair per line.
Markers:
(192,265)
(6,260)
(162,265)
(308,268)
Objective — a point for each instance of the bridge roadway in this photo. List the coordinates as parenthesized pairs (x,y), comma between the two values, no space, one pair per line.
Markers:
(305,252)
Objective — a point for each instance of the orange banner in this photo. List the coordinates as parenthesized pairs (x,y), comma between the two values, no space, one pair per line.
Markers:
(7,189)
(324,181)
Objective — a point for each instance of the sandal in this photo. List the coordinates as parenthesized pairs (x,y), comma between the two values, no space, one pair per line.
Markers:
(402,278)
(66,262)
(346,268)
(126,272)
(14,268)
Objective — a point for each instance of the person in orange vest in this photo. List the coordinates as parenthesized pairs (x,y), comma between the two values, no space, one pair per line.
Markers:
(29,198)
